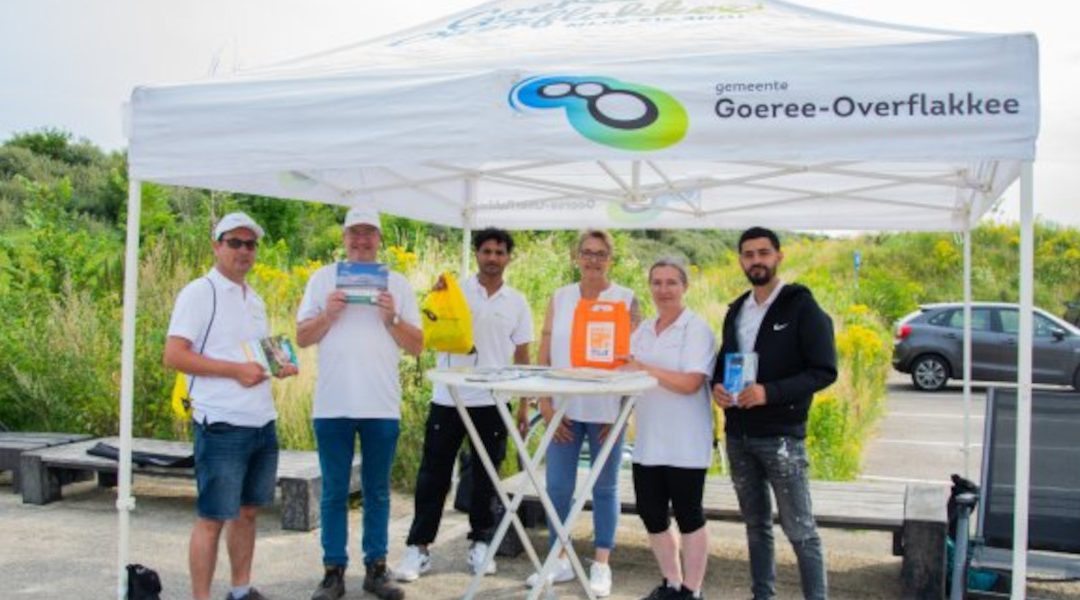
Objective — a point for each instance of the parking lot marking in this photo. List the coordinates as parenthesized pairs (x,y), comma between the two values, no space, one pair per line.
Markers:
(927,443)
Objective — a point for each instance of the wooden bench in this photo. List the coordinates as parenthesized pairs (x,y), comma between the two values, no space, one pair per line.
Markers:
(14,443)
(44,472)
(914,513)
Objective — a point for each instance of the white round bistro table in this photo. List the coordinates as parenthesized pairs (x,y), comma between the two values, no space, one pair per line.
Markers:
(628,387)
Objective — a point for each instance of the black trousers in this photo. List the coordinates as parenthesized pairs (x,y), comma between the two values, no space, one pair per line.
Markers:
(442,439)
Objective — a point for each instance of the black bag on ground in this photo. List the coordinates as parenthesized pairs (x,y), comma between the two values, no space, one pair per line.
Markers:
(144,459)
(143,583)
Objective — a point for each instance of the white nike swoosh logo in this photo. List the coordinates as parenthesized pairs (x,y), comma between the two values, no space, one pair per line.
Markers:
(779,326)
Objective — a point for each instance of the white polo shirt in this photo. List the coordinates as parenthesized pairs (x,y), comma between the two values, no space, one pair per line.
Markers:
(358,358)
(500,323)
(240,316)
(675,430)
(587,409)
(750,317)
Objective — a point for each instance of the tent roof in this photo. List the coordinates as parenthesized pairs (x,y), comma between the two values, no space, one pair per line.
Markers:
(649,114)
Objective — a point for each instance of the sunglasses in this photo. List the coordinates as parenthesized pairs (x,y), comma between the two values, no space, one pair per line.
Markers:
(237,243)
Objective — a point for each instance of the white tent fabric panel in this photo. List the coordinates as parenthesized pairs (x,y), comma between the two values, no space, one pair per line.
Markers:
(597,31)
(873,104)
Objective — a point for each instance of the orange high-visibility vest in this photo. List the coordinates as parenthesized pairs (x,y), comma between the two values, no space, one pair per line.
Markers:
(601,333)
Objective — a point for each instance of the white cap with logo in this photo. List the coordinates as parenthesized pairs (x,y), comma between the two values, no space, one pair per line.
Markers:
(236,220)
(362,215)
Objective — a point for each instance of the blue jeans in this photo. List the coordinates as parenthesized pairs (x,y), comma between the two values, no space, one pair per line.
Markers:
(336,439)
(234,466)
(779,462)
(562,464)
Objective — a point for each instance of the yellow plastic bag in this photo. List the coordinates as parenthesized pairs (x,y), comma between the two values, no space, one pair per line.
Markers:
(181,403)
(447,322)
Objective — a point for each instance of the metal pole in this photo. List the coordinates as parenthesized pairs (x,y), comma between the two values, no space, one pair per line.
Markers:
(967,350)
(125,502)
(1023,385)
(466,229)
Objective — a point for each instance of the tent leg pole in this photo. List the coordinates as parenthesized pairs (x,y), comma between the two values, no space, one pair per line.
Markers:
(967,351)
(466,230)
(1023,384)
(466,241)
(125,502)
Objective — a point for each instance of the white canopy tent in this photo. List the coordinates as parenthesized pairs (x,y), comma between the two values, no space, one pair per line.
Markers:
(531,114)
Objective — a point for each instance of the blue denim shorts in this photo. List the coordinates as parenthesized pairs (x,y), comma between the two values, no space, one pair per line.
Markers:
(234,466)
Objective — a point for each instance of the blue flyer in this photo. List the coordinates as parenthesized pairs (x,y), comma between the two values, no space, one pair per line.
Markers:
(740,369)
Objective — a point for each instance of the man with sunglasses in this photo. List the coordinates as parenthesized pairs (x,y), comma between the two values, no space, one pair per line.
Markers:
(358,395)
(236,450)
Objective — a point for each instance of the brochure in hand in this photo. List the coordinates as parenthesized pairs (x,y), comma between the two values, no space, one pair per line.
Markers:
(740,369)
(273,353)
(362,282)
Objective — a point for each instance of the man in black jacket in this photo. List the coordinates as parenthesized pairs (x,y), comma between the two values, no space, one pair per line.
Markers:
(765,423)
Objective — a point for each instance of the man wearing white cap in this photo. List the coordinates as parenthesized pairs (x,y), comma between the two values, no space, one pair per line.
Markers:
(358,394)
(236,450)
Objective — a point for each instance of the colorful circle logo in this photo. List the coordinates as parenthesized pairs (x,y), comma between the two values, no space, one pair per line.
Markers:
(608,111)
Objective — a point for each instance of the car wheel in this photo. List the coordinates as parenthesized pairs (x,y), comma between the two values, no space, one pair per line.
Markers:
(929,373)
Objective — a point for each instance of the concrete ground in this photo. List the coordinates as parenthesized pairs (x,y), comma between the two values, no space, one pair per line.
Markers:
(67,549)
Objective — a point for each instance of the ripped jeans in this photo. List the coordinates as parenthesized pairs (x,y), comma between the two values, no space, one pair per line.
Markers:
(758,463)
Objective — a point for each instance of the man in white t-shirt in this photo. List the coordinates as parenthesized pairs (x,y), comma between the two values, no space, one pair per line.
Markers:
(502,329)
(236,451)
(358,394)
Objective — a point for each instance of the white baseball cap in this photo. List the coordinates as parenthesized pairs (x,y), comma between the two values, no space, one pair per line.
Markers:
(236,220)
(362,215)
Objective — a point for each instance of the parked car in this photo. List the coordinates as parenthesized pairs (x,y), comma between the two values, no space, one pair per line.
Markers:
(929,345)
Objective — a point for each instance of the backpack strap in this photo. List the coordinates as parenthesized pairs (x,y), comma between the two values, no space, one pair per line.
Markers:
(206,336)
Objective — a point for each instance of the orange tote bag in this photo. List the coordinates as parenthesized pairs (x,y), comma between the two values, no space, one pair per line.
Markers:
(601,333)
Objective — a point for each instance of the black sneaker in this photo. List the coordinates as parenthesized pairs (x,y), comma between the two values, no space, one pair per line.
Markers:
(663,592)
(333,584)
(253,594)
(688,594)
(378,581)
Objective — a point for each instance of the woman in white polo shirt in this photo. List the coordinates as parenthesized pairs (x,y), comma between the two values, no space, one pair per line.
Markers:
(673,448)
(586,418)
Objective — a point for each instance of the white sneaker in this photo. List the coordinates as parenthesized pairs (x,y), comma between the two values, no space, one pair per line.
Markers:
(600,579)
(477,553)
(563,572)
(413,565)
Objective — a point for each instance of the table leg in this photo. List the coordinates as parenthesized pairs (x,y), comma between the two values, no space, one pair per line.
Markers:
(581,494)
(510,516)
(530,464)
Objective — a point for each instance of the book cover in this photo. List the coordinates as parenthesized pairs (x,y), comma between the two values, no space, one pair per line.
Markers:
(362,282)
(274,353)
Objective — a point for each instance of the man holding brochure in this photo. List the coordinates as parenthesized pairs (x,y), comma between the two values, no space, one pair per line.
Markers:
(236,450)
(502,330)
(360,315)
(779,331)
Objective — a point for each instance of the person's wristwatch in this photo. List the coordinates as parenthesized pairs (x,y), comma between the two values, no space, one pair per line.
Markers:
(395,320)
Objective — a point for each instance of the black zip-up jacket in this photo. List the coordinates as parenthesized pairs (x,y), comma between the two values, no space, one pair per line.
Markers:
(796,358)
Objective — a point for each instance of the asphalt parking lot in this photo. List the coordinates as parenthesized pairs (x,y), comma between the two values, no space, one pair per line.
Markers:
(920,437)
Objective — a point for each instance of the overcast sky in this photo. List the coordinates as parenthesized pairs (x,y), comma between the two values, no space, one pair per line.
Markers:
(71,63)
